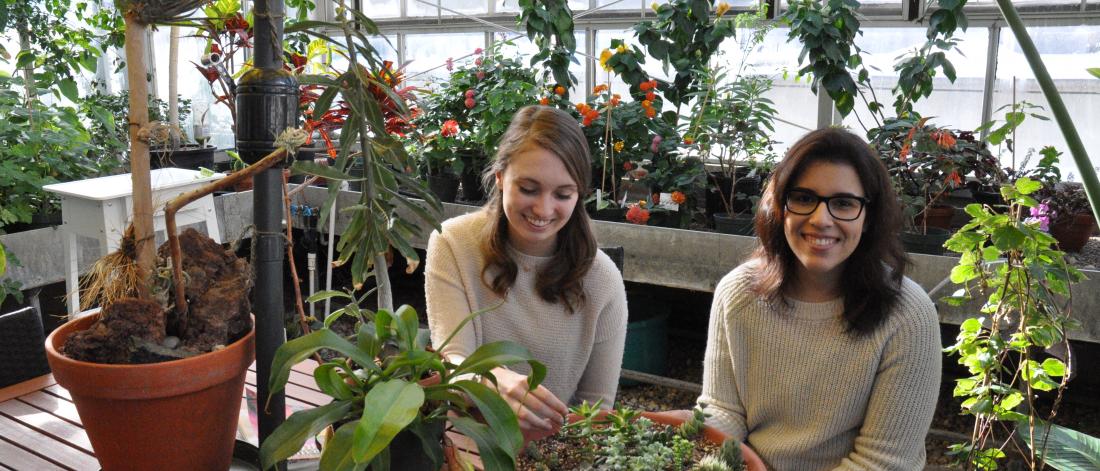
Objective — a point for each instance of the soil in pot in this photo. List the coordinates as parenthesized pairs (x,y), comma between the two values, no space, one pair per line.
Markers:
(141,331)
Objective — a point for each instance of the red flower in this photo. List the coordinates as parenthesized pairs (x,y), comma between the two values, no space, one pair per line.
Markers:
(628,166)
(470,103)
(689,140)
(559,90)
(449,128)
(637,215)
(480,75)
(477,51)
(679,197)
(544,101)
(470,93)
(478,61)
(298,61)
(650,96)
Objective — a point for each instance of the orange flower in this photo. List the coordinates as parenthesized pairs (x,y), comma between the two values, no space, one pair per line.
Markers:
(647,104)
(449,128)
(946,140)
(582,107)
(644,86)
(902,156)
(953,180)
(599,88)
(679,197)
(723,7)
(637,215)
(615,100)
(544,101)
(619,146)
(650,96)
(559,90)
(650,112)
(689,140)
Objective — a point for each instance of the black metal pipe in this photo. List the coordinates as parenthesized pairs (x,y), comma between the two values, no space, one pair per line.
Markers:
(267,104)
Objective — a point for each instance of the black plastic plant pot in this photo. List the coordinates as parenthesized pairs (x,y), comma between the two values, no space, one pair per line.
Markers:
(930,243)
(189,156)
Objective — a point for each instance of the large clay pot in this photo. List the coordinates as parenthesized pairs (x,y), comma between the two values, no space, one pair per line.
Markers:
(936,216)
(176,415)
(1073,234)
(753,462)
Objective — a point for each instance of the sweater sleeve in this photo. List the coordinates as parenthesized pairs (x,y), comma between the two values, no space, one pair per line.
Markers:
(903,399)
(600,380)
(720,398)
(447,303)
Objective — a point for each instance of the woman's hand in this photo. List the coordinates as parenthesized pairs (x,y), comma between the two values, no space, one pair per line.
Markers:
(539,411)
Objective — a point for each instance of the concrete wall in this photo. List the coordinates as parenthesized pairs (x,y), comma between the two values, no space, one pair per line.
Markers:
(654,255)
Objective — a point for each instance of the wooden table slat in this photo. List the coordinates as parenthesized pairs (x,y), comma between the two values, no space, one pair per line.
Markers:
(59,391)
(53,404)
(14,457)
(47,423)
(61,453)
(314,398)
(28,386)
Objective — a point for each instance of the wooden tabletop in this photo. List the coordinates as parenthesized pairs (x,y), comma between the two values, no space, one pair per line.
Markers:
(40,429)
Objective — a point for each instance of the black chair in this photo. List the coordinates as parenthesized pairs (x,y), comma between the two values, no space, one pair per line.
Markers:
(22,346)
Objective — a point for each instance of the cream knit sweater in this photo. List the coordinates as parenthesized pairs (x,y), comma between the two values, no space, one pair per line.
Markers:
(808,396)
(582,351)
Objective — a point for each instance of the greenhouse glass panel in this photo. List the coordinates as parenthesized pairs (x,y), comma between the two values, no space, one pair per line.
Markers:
(637,5)
(431,7)
(426,55)
(193,86)
(1067,51)
(375,9)
(522,47)
(955,105)
(795,104)
(338,61)
(512,6)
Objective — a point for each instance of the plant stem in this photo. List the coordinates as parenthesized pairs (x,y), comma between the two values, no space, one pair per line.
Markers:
(1057,106)
(139,153)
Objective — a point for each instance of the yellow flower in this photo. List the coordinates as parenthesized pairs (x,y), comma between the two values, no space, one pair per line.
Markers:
(619,146)
(723,7)
(653,6)
(642,203)
(621,48)
(604,57)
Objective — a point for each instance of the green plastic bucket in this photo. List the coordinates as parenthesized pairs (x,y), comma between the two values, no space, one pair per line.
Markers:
(646,346)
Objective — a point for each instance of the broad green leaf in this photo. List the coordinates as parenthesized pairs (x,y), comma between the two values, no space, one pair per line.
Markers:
(323,171)
(3,260)
(68,88)
(493,457)
(323,295)
(387,409)
(408,326)
(1066,449)
(491,355)
(963,273)
(303,425)
(329,381)
(337,455)
(1095,71)
(1054,367)
(498,415)
(971,325)
(1027,186)
(294,351)
(1008,238)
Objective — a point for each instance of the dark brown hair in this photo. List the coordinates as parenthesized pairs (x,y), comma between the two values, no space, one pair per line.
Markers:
(560,279)
(872,274)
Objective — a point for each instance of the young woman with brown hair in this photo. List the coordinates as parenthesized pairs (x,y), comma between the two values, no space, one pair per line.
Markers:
(531,251)
(821,353)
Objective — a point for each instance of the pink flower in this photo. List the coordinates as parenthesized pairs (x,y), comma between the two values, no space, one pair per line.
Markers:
(478,62)
(470,103)
(477,51)
(654,145)
(470,93)
(480,75)
(450,64)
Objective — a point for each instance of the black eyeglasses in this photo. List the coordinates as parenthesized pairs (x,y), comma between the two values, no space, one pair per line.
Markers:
(841,207)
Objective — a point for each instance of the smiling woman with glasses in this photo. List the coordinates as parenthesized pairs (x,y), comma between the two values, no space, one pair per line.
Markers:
(821,354)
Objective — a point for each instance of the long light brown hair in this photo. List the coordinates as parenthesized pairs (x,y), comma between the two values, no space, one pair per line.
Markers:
(872,274)
(560,279)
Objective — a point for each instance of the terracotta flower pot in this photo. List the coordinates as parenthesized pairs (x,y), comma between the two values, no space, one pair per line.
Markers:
(1073,234)
(936,216)
(676,417)
(177,415)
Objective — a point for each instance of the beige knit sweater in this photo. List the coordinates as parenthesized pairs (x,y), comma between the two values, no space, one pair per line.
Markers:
(582,351)
(806,395)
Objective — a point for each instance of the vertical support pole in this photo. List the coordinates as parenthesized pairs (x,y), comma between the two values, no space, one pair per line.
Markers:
(267,104)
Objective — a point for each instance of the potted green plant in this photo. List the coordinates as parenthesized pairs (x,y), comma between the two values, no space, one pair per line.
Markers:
(388,387)
(926,163)
(1011,266)
(1070,217)
(625,438)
